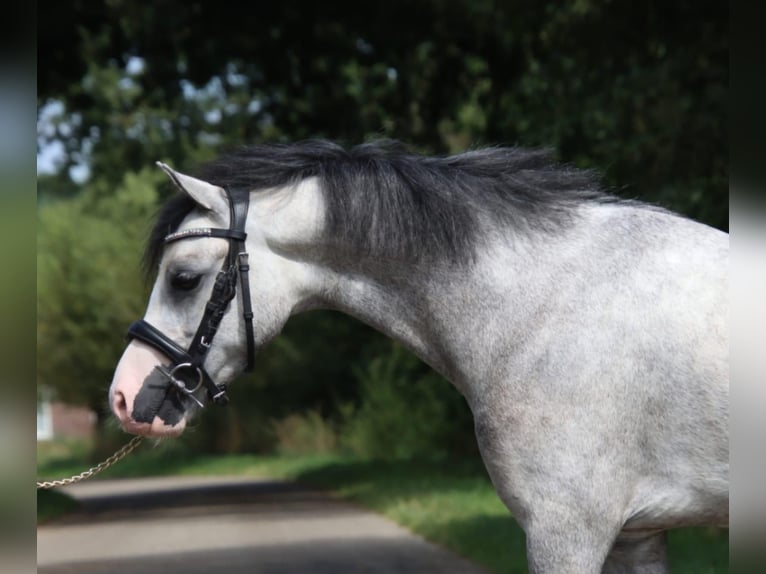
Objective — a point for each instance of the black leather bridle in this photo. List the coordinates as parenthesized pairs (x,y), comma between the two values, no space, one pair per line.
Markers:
(186,371)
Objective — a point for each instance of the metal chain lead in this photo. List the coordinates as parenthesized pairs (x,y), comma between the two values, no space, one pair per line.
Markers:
(117,456)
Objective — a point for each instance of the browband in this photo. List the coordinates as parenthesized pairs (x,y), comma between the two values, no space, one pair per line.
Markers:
(206,232)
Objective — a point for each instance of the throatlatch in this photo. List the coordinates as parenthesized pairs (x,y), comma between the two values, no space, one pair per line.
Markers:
(186,372)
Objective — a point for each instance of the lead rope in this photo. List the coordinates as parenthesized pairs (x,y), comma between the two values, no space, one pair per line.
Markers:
(116,457)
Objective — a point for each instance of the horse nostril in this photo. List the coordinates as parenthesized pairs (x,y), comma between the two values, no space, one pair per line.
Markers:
(120,406)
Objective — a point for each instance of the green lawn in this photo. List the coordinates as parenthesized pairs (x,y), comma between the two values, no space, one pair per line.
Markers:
(451,503)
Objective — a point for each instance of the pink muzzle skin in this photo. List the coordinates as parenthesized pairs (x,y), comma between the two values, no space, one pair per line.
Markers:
(135,368)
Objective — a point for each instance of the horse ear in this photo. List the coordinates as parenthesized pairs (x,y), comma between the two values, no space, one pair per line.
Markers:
(207,195)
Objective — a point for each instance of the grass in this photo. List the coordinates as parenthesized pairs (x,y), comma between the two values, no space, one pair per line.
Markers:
(451,503)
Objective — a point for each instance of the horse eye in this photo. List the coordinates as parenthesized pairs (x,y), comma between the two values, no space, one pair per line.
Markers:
(185,281)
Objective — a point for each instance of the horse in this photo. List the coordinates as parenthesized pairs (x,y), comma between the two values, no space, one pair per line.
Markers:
(587,333)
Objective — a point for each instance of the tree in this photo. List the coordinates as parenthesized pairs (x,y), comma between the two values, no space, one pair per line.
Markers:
(89,285)
(636,90)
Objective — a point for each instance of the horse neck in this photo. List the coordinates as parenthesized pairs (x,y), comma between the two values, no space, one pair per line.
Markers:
(394,300)
(448,315)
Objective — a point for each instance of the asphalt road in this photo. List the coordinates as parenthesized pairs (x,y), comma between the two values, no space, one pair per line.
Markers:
(233,525)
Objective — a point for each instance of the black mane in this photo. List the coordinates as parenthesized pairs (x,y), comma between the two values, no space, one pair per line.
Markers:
(387,202)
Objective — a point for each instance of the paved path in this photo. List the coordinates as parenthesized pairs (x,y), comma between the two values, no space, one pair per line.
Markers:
(232,525)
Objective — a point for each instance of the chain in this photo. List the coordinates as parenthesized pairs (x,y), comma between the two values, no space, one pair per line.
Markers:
(119,455)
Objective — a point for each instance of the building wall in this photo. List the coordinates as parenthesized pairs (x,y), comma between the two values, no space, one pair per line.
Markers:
(65,421)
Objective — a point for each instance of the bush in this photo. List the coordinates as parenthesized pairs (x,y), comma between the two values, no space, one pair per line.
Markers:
(405,411)
(304,433)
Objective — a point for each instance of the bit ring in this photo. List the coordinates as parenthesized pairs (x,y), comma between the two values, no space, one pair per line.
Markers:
(180,384)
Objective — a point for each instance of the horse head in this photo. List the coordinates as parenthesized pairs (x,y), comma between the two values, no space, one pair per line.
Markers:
(200,331)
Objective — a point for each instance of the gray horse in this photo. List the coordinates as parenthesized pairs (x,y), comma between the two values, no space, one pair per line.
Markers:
(587,333)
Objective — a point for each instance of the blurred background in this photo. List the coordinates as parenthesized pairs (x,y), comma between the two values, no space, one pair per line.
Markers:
(635,90)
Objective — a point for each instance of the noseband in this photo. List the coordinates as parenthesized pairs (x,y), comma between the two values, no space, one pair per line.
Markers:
(186,371)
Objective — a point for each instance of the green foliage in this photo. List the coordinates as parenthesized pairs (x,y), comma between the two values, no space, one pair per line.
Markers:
(405,411)
(635,90)
(89,284)
(290,377)
(305,433)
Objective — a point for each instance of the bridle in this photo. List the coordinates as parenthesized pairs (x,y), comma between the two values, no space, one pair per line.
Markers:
(186,371)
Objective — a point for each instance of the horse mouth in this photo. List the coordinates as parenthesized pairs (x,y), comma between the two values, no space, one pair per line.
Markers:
(157,428)
(157,410)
